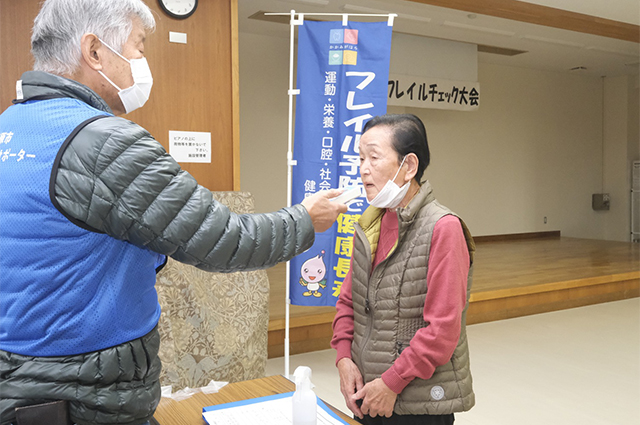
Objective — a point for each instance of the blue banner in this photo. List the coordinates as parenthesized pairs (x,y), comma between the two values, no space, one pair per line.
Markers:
(343,76)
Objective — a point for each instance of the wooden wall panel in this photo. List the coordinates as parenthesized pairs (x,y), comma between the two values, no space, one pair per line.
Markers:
(16,21)
(193,84)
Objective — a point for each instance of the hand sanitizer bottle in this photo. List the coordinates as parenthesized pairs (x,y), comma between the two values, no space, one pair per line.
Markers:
(304,399)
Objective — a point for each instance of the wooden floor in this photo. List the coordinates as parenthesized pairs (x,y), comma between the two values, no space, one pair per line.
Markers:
(511,278)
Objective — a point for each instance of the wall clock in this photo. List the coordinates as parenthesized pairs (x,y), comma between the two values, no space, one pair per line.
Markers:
(179,9)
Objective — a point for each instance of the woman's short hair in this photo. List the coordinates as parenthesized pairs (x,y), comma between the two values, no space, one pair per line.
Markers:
(60,25)
(409,136)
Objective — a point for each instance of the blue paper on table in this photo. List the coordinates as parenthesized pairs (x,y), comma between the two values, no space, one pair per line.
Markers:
(269,409)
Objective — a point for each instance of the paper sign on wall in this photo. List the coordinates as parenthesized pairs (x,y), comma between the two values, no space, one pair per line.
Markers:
(424,92)
(190,146)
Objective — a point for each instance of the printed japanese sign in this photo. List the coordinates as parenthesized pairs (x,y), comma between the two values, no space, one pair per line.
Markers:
(190,146)
(342,74)
(424,92)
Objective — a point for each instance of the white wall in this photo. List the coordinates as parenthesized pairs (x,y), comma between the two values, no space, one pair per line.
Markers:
(616,179)
(533,149)
(418,56)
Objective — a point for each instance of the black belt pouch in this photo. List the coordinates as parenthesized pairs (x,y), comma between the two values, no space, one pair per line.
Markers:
(54,413)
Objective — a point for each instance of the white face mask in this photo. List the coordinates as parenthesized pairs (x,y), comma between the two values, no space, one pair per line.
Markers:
(391,195)
(137,95)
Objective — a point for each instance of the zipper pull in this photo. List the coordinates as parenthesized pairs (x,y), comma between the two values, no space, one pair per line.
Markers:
(366,306)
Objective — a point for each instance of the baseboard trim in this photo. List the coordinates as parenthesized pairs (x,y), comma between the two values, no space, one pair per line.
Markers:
(517,236)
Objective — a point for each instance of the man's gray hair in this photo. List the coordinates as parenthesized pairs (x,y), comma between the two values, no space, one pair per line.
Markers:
(58,28)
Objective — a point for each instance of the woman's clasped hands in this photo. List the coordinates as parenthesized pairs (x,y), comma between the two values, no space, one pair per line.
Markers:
(373,399)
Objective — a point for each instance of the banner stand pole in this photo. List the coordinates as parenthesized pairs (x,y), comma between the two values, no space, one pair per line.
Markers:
(290,163)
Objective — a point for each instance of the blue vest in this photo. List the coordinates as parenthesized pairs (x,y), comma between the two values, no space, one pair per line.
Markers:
(64,290)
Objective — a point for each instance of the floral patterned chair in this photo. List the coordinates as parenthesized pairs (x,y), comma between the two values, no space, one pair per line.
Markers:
(213,325)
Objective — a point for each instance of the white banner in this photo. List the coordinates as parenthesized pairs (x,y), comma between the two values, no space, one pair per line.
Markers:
(424,92)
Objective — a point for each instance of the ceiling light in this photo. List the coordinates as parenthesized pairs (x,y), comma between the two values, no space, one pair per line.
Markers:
(617,52)
(551,41)
(354,8)
(476,28)
(314,2)
(414,18)
(362,9)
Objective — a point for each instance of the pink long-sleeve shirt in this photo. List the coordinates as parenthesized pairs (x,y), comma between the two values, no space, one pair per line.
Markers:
(446,297)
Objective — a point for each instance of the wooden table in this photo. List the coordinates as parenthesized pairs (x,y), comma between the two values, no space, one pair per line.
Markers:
(189,411)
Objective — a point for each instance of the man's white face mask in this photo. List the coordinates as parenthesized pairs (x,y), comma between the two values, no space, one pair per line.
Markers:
(137,95)
(391,194)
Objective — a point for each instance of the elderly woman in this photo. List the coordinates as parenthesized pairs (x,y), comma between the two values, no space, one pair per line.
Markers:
(399,331)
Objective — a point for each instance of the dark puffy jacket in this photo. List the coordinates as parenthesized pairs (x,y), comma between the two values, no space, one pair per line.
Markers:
(118,385)
(113,177)
(117,179)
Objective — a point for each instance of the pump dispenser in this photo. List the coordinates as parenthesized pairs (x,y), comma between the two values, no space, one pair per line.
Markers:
(305,404)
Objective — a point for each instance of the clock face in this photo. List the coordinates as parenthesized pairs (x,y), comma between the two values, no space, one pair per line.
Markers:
(179,9)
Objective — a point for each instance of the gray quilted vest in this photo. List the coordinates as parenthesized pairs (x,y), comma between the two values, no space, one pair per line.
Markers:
(388,305)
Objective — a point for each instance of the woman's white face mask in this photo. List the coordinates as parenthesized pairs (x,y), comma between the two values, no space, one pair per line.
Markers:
(391,194)
(137,95)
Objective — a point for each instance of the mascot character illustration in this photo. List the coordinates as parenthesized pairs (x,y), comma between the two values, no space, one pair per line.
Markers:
(313,271)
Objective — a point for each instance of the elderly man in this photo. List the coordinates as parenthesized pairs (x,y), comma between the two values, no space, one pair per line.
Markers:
(90,206)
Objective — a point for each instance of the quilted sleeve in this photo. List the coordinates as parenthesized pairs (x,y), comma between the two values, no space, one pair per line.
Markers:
(113,177)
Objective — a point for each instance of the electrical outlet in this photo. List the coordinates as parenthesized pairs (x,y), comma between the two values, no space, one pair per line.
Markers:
(545,219)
